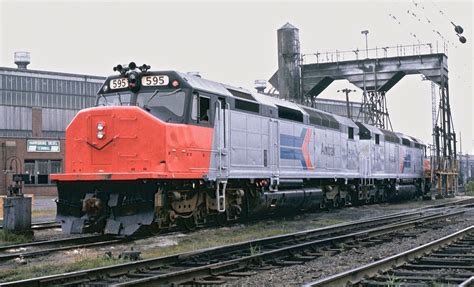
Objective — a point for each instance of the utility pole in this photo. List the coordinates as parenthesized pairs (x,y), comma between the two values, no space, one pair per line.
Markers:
(365,32)
(347,92)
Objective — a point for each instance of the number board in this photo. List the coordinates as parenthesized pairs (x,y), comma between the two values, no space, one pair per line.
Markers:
(118,83)
(155,80)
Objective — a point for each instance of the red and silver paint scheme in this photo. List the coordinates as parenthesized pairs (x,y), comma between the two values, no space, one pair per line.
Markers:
(165,148)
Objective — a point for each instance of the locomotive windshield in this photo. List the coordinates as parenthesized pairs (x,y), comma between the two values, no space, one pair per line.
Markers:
(118,99)
(166,105)
(165,94)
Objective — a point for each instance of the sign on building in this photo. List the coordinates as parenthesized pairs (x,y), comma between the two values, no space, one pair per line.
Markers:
(43,146)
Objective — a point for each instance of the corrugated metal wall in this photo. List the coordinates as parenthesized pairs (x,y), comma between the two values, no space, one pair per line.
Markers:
(340,109)
(57,120)
(60,96)
(15,118)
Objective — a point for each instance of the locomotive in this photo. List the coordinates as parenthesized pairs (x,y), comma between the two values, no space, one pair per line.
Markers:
(165,148)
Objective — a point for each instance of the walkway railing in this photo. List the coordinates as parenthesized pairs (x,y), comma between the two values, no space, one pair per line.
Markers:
(373,53)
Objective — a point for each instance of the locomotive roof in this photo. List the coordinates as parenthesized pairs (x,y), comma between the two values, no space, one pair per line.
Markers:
(343,120)
(226,90)
(202,84)
(199,83)
(372,129)
(410,139)
(205,85)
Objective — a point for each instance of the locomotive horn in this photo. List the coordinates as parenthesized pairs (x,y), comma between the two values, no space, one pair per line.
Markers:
(118,68)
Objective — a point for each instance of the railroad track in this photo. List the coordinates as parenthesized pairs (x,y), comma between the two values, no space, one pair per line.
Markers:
(447,261)
(465,202)
(38,248)
(42,225)
(219,264)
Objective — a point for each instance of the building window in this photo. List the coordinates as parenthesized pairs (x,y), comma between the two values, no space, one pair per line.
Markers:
(40,169)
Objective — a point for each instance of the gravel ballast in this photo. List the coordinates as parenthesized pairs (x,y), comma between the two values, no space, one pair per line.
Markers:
(325,266)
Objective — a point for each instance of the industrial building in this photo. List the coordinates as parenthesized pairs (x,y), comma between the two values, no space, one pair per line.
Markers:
(35,108)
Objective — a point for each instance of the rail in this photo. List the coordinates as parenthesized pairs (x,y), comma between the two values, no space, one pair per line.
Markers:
(375,269)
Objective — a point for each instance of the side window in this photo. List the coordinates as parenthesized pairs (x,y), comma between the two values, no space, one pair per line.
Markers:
(194,108)
(351,133)
(377,139)
(204,109)
(200,108)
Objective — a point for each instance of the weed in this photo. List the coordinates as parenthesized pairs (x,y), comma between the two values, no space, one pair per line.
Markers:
(254,250)
(469,188)
(81,262)
(7,238)
(392,280)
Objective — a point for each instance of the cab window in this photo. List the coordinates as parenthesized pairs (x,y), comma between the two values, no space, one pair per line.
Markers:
(204,109)
(168,106)
(117,99)
(200,110)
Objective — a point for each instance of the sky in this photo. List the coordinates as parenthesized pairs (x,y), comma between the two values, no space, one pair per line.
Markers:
(235,42)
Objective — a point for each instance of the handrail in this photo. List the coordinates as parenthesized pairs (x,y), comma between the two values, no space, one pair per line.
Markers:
(377,53)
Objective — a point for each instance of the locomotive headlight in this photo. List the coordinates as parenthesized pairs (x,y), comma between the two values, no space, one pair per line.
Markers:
(133,82)
(100,135)
(100,126)
(106,88)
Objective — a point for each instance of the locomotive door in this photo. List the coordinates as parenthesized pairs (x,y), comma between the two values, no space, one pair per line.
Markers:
(222,118)
(274,158)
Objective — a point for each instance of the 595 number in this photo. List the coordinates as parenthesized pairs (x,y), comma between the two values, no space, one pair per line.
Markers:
(162,80)
(119,83)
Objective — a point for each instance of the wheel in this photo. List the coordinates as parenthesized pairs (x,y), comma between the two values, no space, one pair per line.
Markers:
(323,205)
(348,200)
(189,223)
(221,219)
(154,229)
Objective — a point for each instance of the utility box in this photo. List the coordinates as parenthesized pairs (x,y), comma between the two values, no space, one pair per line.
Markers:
(17,214)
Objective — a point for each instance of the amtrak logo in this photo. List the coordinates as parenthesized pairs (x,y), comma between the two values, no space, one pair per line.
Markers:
(405,161)
(328,150)
(294,147)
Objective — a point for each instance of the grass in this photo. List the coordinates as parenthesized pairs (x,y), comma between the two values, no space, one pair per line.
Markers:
(254,250)
(392,281)
(81,262)
(469,188)
(224,236)
(8,238)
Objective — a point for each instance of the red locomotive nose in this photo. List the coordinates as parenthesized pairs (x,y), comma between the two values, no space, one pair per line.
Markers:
(128,143)
(99,140)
